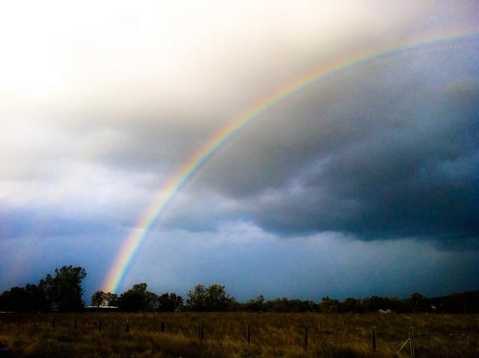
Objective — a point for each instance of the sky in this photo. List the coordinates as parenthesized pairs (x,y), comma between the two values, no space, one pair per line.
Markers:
(361,182)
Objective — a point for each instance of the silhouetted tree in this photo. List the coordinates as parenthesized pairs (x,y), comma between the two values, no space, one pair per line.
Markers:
(138,298)
(289,305)
(329,305)
(63,290)
(60,292)
(97,298)
(169,302)
(350,305)
(100,298)
(23,299)
(256,304)
(196,299)
(418,303)
(213,298)
(111,299)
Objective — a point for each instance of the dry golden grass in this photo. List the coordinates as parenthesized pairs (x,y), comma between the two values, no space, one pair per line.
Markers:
(225,335)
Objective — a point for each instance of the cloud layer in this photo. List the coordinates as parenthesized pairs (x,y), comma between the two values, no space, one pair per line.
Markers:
(102,103)
(387,149)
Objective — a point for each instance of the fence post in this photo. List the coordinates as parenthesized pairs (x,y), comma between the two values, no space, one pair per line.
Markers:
(373,339)
(99,326)
(305,338)
(201,332)
(162,327)
(127,327)
(248,334)
(412,343)
(75,324)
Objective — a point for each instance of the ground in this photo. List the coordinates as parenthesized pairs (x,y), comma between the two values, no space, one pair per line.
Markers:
(226,335)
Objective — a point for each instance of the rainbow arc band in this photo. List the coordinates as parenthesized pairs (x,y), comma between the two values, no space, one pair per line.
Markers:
(200,157)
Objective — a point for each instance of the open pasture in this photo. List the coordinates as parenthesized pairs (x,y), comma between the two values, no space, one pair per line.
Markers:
(239,335)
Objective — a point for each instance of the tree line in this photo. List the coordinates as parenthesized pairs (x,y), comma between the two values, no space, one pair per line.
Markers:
(62,291)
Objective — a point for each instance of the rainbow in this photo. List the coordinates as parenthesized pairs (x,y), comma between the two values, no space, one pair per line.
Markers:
(175,183)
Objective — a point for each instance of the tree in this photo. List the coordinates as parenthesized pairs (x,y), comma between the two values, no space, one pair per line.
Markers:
(418,302)
(196,300)
(23,299)
(350,305)
(138,298)
(213,298)
(329,305)
(218,299)
(111,299)
(63,291)
(60,292)
(256,304)
(98,298)
(169,302)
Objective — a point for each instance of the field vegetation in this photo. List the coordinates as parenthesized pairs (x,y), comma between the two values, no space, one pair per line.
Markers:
(238,334)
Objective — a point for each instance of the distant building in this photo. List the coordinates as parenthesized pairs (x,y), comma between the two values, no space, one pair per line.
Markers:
(101,308)
(386,311)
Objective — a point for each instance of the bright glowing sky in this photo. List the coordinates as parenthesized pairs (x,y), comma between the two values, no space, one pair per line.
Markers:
(369,175)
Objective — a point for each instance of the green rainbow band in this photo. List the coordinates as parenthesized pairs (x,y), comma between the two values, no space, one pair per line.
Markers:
(137,235)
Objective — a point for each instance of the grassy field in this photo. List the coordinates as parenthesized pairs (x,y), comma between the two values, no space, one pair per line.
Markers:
(226,335)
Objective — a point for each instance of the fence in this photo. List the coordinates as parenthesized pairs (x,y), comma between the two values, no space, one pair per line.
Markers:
(301,334)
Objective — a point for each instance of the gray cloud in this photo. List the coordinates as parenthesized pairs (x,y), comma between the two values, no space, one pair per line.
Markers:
(102,103)
(379,150)
(383,149)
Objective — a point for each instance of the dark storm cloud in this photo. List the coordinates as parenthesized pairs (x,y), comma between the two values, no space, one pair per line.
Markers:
(385,149)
